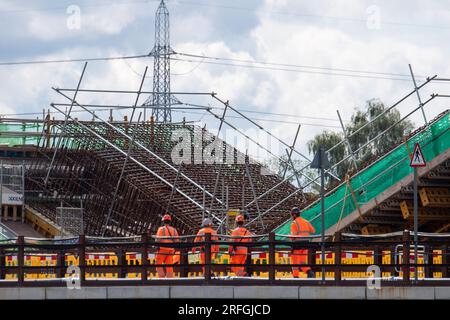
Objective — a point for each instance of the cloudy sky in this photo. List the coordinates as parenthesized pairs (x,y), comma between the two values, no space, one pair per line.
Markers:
(325,55)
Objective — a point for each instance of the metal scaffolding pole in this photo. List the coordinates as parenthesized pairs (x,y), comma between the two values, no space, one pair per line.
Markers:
(125,161)
(133,159)
(270,134)
(23,191)
(122,171)
(418,94)
(291,149)
(167,164)
(344,159)
(267,150)
(216,184)
(385,111)
(349,146)
(292,166)
(252,186)
(65,123)
(172,191)
(1,190)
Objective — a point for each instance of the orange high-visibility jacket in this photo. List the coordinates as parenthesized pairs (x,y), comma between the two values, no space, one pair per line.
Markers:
(240,232)
(301,227)
(167,231)
(201,237)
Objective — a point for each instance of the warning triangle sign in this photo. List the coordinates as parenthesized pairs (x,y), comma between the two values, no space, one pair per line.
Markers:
(417,159)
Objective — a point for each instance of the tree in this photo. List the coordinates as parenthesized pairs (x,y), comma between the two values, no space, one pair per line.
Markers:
(385,131)
(328,139)
(386,124)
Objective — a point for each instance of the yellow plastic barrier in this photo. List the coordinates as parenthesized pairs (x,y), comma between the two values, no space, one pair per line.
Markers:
(134,259)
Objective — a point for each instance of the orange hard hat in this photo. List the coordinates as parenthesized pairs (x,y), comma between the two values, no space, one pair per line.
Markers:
(167,217)
(240,218)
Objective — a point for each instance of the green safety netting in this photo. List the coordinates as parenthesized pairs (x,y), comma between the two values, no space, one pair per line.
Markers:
(10,134)
(377,177)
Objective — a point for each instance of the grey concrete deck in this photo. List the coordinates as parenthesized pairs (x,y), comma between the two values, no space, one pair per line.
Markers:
(227,292)
(22,229)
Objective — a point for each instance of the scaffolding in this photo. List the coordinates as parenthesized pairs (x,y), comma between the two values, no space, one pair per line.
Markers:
(379,176)
(70,221)
(12,192)
(125,172)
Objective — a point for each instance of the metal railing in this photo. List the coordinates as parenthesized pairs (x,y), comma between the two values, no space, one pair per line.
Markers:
(396,272)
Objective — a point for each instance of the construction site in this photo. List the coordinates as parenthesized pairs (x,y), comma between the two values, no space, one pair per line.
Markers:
(81,189)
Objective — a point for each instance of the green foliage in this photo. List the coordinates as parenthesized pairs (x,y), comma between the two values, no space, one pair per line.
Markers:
(328,139)
(391,137)
(384,130)
(385,125)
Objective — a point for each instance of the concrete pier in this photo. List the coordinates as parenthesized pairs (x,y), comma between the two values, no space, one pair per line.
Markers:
(226,292)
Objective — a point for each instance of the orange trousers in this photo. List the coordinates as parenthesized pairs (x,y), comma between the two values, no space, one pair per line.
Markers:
(164,257)
(239,257)
(299,257)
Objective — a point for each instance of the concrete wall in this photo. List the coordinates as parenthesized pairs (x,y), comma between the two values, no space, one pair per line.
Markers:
(227,292)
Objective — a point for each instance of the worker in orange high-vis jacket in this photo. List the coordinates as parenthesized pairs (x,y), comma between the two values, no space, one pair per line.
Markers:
(164,256)
(239,253)
(300,228)
(206,228)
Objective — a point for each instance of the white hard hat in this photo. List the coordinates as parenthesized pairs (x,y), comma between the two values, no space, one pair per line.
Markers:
(207,222)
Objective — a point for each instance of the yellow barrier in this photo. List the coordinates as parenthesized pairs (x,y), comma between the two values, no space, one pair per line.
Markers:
(134,259)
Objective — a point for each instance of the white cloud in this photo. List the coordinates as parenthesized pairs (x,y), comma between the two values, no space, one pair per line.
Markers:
(287,31)
(93,21)
(5,110)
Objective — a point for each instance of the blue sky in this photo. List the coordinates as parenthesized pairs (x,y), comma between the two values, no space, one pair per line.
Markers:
(379,36)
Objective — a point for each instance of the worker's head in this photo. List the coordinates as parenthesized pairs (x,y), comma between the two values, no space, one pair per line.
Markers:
(207,222)
(167,219)
(240,220)
(246,215)
(295,212)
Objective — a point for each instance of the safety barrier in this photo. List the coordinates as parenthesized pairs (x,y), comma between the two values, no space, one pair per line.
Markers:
(268,260)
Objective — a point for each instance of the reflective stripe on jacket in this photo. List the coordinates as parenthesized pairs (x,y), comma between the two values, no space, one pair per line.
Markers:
(301,227)
(240,232)
(167,231)
(201,237)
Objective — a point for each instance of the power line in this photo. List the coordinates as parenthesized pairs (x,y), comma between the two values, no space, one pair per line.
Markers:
(260,119)
(266,113)
(105,4)
(246,110)
(243,63)
(175,110)
(13,63)
(53,112)
(293,70)
(293,65)
(286,115)
(306,15)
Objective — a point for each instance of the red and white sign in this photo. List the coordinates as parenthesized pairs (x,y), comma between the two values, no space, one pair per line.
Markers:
(417,159)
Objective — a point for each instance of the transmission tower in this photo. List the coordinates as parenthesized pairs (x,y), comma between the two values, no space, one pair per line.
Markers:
(161,99)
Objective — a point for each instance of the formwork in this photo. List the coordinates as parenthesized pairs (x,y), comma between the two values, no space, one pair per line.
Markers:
(127,179)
